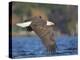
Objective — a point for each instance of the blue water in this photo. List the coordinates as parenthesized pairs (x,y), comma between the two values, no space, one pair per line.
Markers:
(24,46)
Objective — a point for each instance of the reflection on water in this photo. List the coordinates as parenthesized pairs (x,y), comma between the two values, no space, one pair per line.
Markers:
(23,46)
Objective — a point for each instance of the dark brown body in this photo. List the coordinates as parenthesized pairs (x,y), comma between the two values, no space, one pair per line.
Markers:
(44,32)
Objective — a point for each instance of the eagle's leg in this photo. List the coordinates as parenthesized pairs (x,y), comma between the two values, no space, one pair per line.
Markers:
(51,44)
(51,49)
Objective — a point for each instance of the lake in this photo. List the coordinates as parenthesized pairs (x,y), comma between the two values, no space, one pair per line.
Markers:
(31,46)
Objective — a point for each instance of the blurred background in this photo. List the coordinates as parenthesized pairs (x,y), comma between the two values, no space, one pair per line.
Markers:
(64,16)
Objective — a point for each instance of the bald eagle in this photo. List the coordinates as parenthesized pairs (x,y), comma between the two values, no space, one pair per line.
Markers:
(42,28)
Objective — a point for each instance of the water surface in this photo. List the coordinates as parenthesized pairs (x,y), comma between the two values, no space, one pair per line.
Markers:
(31,46)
